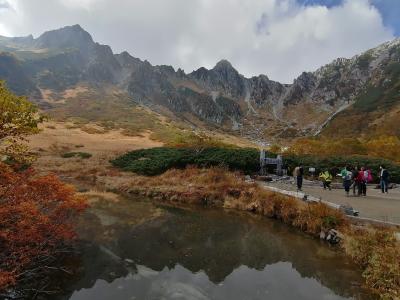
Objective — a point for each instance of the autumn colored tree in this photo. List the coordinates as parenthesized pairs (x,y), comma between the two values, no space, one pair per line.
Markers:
(36,212)
(18,119)
(36,215)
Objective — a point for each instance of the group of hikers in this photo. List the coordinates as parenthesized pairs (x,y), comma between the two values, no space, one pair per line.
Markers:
(354,179)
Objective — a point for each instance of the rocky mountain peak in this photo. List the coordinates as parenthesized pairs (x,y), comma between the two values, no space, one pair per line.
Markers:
(126,55)
(67,37)
(223,77)
(305,78)
(127,60)
(224,66)
(220,95)
(262,77)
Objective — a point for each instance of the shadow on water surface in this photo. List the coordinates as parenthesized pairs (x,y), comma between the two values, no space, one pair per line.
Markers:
(137,250)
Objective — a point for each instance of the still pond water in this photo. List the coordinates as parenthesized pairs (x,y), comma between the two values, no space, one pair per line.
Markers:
(135,249)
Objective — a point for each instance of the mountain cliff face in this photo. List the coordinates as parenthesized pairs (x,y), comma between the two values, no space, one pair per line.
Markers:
(376,106)
(257,107)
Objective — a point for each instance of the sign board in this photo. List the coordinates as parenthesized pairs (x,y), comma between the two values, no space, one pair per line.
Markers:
(311,170)
(271,161)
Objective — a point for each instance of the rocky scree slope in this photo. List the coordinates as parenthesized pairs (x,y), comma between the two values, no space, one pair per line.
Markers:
(256,107)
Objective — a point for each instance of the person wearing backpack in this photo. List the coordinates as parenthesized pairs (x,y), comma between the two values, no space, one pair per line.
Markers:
(369,176)
(384,179)
(354,184)
(326,178)
(298,174)
(363,179)
(346,176)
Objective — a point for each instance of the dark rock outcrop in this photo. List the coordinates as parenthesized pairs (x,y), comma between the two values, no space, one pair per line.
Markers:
(62,58)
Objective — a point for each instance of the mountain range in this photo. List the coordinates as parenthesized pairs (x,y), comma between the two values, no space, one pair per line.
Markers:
(358,96)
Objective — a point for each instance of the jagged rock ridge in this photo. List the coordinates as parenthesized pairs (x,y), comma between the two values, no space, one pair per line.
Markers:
(256,107)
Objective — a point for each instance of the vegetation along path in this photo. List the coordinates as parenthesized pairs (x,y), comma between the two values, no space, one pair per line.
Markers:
(384,207)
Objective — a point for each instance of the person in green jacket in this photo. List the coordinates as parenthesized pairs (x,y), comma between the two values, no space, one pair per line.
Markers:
(346,175)
(326,178)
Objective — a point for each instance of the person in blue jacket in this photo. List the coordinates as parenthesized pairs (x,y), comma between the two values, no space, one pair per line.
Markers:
(384,179)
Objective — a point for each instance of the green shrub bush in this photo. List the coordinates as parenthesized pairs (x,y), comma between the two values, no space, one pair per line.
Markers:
(83,155)
(158,160)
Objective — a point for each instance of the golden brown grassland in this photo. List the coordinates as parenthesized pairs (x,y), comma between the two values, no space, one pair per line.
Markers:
(375,250)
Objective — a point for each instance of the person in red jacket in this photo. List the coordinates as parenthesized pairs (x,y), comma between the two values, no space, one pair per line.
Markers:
(362,180)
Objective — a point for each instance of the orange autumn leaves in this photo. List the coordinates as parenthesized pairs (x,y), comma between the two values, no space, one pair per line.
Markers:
(36,214)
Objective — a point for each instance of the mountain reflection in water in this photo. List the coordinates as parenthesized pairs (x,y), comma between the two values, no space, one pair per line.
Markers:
(136,250)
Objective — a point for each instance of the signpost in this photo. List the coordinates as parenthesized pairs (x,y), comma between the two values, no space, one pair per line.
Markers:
(312,171)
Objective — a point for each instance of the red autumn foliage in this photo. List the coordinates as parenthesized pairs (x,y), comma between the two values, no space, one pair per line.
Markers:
(36,214)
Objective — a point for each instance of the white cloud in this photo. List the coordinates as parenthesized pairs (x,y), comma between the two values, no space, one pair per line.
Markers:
(3,30)
(279,38)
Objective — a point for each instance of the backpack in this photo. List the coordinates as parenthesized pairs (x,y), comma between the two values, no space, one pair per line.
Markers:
(385,174)
(369,176)
(328,176)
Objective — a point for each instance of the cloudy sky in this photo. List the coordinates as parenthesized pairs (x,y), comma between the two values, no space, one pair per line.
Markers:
(279,38)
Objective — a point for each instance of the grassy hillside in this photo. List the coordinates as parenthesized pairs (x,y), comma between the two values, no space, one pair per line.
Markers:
(111,109)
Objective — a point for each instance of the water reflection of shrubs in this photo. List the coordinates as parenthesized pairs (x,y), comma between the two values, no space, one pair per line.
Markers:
(218,187)
(376,253)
